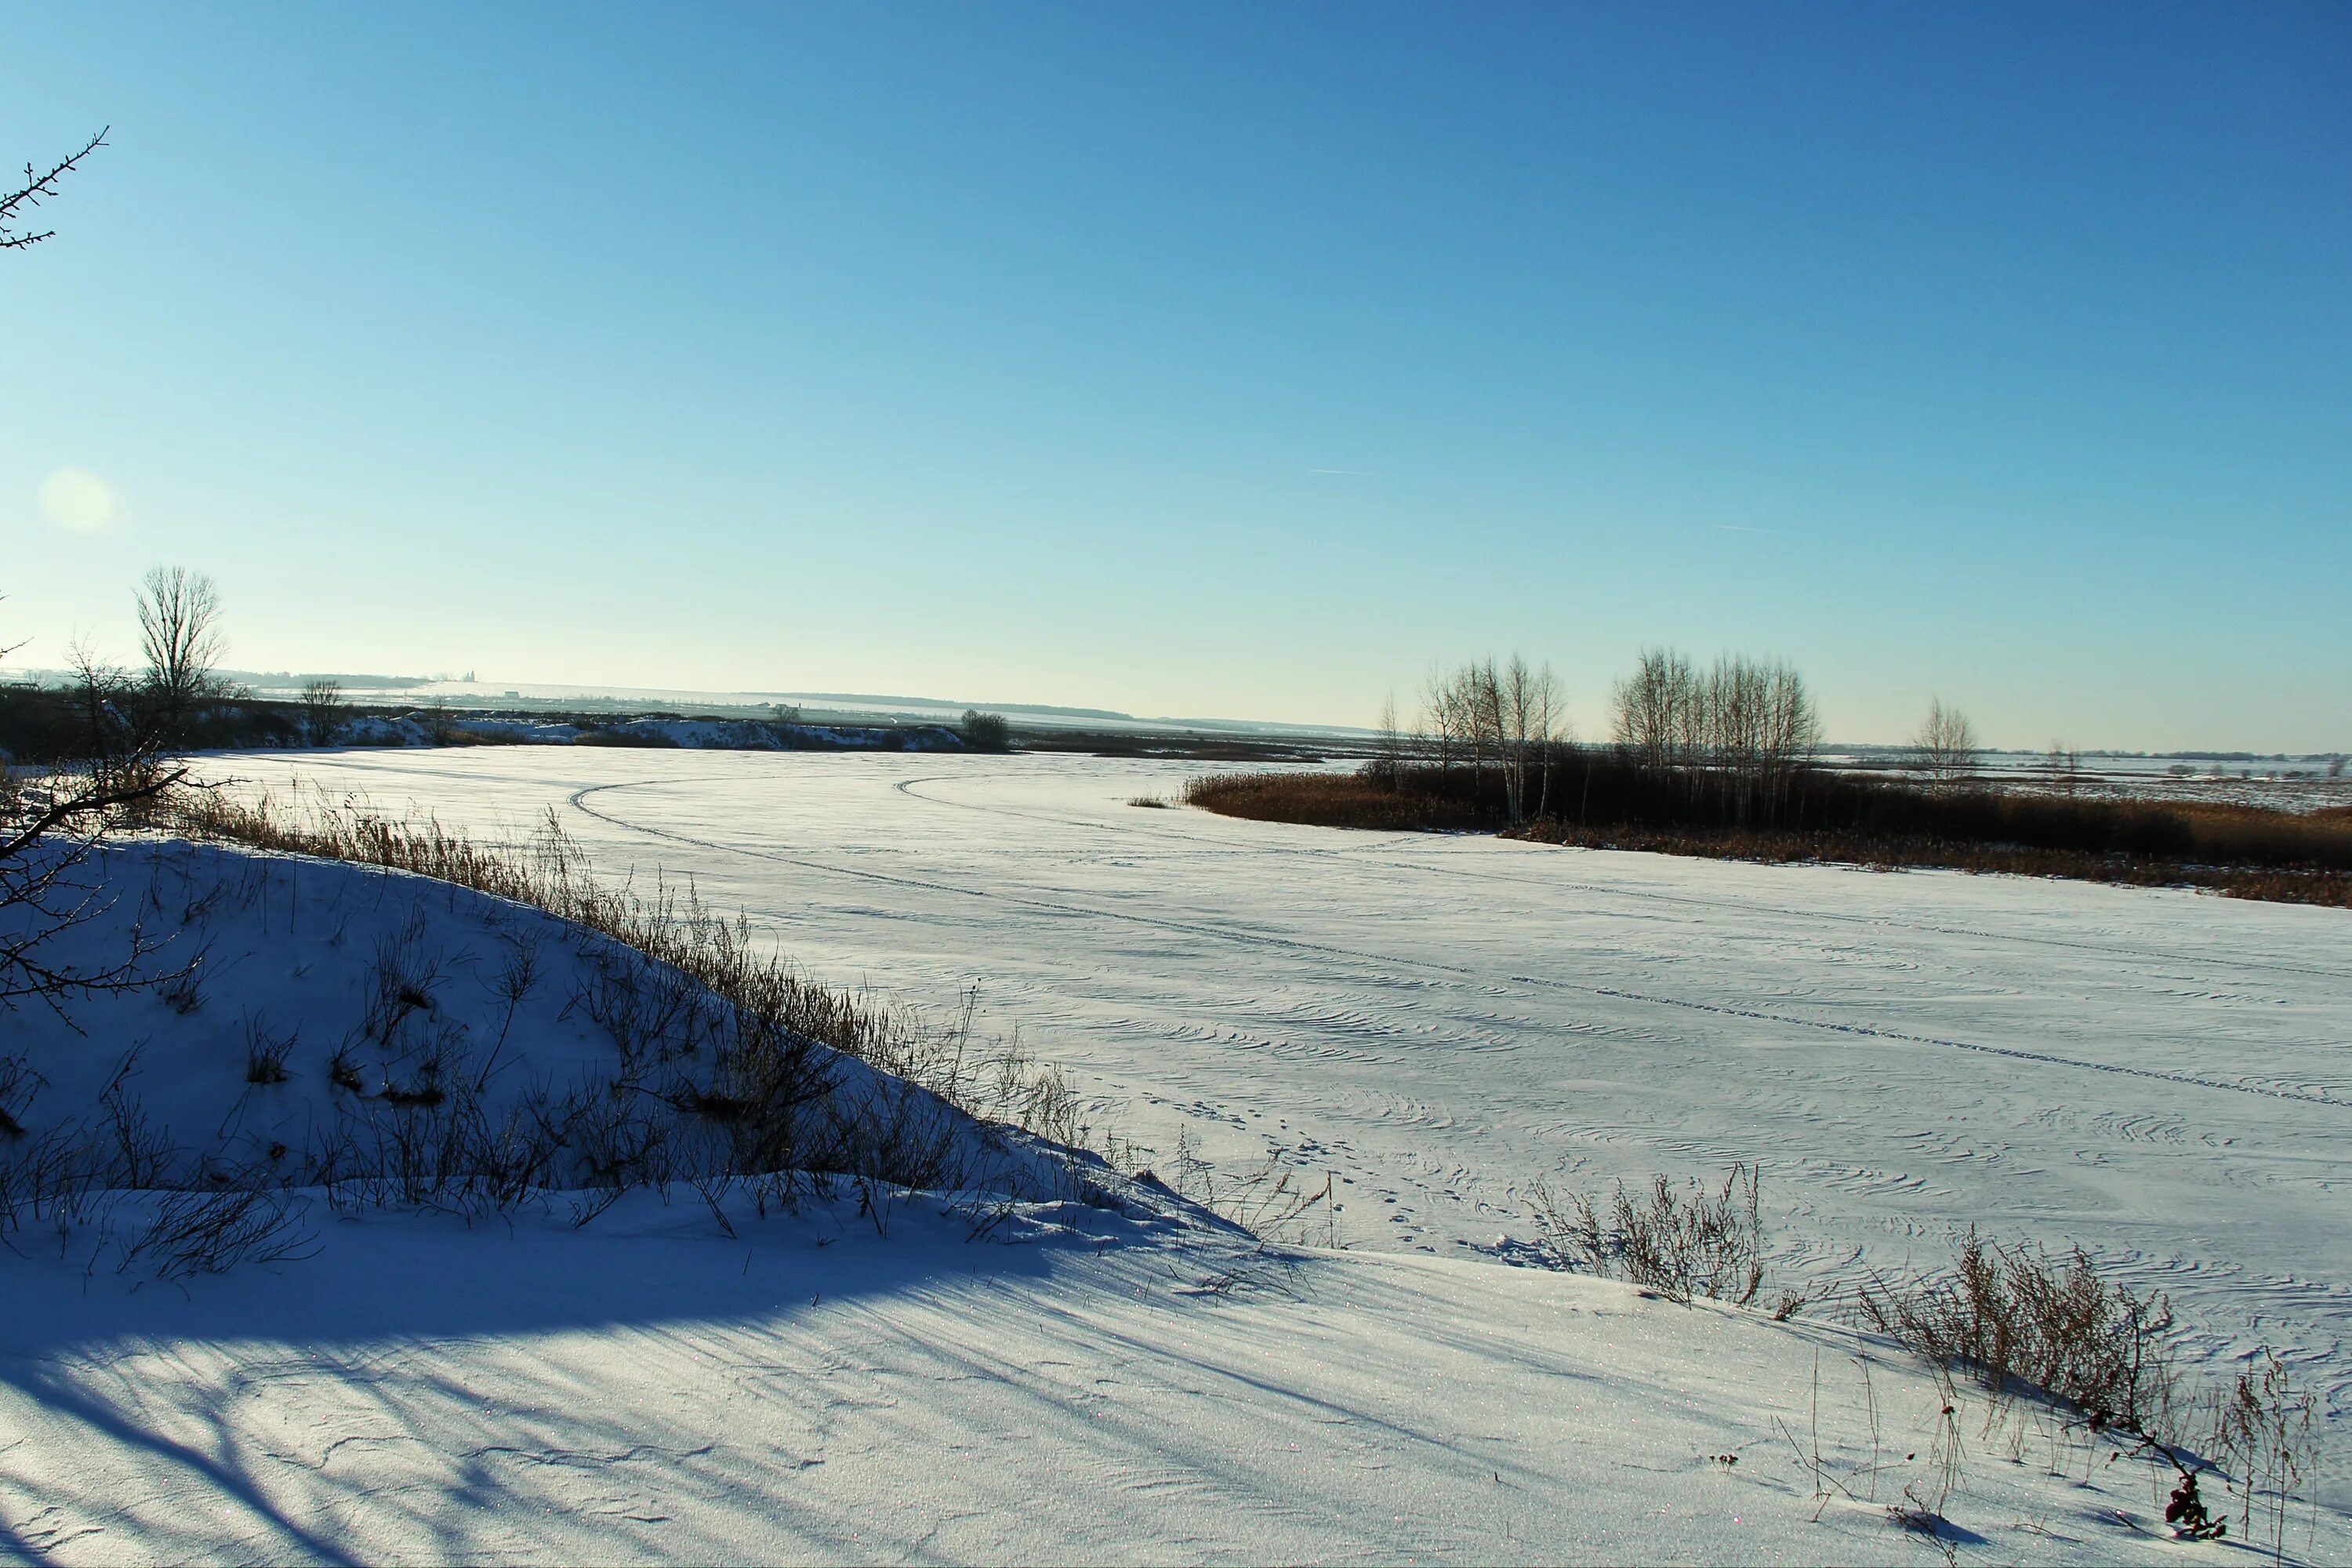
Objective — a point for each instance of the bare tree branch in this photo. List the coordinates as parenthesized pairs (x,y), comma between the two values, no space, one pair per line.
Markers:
(35,187)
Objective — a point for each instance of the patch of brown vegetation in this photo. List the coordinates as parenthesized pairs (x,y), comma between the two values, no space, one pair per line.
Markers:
(2246,852)
(2274,885)
(1325,800)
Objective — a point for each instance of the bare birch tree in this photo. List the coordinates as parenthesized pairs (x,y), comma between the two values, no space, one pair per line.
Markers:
(1648,709)
(1442,719)
(1388,747)
(1944,749)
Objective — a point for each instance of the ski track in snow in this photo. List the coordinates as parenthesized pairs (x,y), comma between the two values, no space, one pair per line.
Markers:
(2161,1076)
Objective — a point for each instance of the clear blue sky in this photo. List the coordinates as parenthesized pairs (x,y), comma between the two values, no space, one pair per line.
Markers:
(1208,360)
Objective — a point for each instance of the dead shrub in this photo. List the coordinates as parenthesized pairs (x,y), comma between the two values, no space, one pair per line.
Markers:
(265,1053)
(2022,1323)
(194,1233)
(2260,1433)
(1682,1242)
(2016,1319)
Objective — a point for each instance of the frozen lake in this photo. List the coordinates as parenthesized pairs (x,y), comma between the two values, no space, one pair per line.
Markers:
(2162,1076)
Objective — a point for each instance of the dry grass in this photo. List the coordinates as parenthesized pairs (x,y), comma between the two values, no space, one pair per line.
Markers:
(2023,1322)
(2286,885)
(2018,1320)
(1681,1242)
(1325,800)
(711,995)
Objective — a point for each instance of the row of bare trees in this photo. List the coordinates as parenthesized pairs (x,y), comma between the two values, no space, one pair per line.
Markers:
(1741,728)
(1739,731)
(1509,718)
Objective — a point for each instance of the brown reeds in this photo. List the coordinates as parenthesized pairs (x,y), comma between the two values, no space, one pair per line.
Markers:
(1325,800)
(2240,851)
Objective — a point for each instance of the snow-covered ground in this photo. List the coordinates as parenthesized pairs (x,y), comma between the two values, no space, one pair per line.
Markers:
(2161,1076)
(649,1389)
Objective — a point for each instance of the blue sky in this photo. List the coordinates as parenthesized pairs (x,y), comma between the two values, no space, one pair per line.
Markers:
(1209,360)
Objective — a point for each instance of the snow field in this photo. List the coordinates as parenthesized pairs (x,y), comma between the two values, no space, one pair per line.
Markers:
(1436,1021)
(2162,1076)
(649,1389)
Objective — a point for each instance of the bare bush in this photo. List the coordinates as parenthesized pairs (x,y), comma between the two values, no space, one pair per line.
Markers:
(2016,1319)
(1682,1242)
(985,732)
(265,1053)
(18,1083)
(2260,1434)
(2022,1323)
(194,1233)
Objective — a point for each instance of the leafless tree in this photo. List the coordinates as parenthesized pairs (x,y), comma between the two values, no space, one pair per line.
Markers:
(1509,717)
(50,824)
(324,712)
(1791,730)
(1654,713)
(13,205)
(1388,746)
(179,628)
(1740,731)
(1737,696)
(1445,719)
(1525,703)
(2063,765)
(1945,750)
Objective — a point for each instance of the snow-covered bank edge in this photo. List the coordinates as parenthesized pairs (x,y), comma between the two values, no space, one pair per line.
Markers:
(693,734)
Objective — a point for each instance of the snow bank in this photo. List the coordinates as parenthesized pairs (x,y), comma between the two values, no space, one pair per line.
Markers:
(313,1022)
(1080,1388)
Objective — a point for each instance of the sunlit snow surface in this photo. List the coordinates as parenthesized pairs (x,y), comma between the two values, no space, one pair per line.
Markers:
(1438,1021)
(2164,1077)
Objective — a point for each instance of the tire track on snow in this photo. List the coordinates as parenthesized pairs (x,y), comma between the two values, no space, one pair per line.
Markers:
(1265,939)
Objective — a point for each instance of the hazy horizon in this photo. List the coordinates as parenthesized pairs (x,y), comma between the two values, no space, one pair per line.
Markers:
(1208,362)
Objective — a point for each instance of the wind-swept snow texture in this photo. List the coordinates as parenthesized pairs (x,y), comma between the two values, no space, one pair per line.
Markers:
(647,1388)
(2161,1076)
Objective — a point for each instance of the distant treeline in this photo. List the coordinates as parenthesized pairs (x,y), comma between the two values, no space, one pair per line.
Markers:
(51,726)
(1733,742)
(1721,760)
